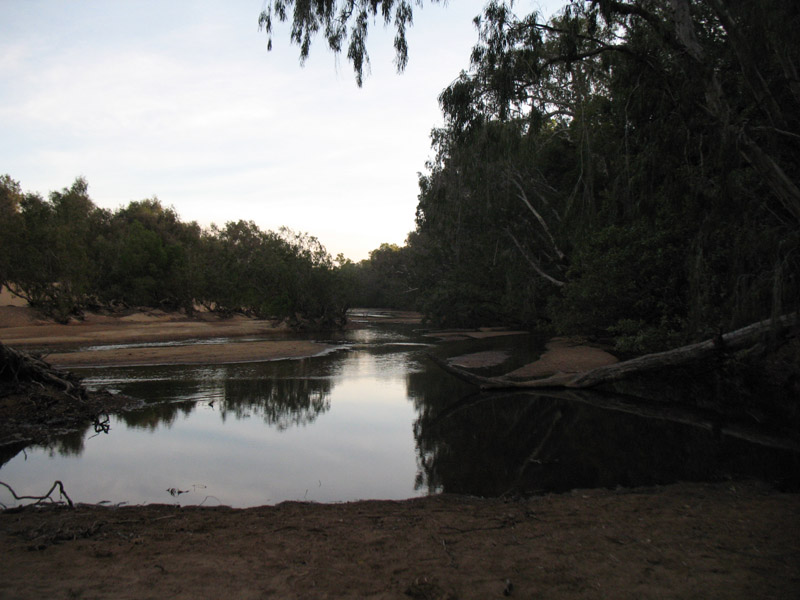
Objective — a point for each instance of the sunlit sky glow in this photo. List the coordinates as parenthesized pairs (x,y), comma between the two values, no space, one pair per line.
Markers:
(181,100)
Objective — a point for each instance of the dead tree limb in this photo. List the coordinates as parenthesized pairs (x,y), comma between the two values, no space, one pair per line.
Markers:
(529,259)
(47,496)
(524,197)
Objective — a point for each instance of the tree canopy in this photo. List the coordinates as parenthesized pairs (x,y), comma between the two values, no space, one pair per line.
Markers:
(628,167)
(65,254)
(634,162)
(343,23)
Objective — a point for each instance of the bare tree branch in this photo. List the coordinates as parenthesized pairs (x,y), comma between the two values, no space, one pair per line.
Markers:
(533,263)
(522,196)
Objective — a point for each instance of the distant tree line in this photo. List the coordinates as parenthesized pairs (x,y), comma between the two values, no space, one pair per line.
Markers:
(64,254)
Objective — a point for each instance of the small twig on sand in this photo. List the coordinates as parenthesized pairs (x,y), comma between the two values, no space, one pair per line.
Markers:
(207,497)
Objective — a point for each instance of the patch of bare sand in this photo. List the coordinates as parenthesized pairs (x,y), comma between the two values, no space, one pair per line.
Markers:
(19,316)
(712,541)
(477,360)
(9,299)
(564,355)
(381,315)
(190,354)
(150,316)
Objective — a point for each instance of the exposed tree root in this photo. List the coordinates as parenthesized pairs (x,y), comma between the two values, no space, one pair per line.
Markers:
(39,402)
(17,368)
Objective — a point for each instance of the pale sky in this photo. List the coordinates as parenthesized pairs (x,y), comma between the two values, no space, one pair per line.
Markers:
(181,100)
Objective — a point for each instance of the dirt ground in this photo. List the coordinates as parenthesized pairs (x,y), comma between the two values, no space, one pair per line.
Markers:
(726,541)
(722,540)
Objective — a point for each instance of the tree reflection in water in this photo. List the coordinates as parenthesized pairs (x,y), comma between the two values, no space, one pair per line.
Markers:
(283,393)
(491,444)
(282,403)
(156,415)
(71,443)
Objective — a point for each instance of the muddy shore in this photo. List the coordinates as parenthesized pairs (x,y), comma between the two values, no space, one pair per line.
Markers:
(724,541)
(687,540)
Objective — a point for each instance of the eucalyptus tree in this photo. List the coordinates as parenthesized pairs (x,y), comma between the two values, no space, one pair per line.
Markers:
(245,270)
(317,289)
(49,263)
(660,167)
(65,254)
(147,256)
(386,279)
(10,197)
(280,275)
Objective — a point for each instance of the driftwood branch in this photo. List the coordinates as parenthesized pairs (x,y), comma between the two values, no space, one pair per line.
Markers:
(735,340)
(47,496)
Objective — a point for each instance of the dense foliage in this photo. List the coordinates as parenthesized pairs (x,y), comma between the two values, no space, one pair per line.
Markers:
(65,254)
(385,279)
(627,168)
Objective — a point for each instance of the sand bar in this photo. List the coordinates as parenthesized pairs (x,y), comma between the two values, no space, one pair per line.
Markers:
(189,354)
(64,344)
(564,355)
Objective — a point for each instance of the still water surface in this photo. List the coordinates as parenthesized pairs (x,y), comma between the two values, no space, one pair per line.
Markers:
(374,419)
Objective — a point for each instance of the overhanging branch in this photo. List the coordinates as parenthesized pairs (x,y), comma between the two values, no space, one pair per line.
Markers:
(533,263)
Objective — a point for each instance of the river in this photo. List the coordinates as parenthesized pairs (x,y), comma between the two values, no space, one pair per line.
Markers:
(373,419)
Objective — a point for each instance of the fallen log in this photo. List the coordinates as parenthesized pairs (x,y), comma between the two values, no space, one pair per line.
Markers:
(734,340)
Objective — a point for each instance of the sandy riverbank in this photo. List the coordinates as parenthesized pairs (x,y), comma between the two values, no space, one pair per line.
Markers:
(32,413)
(68,345)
